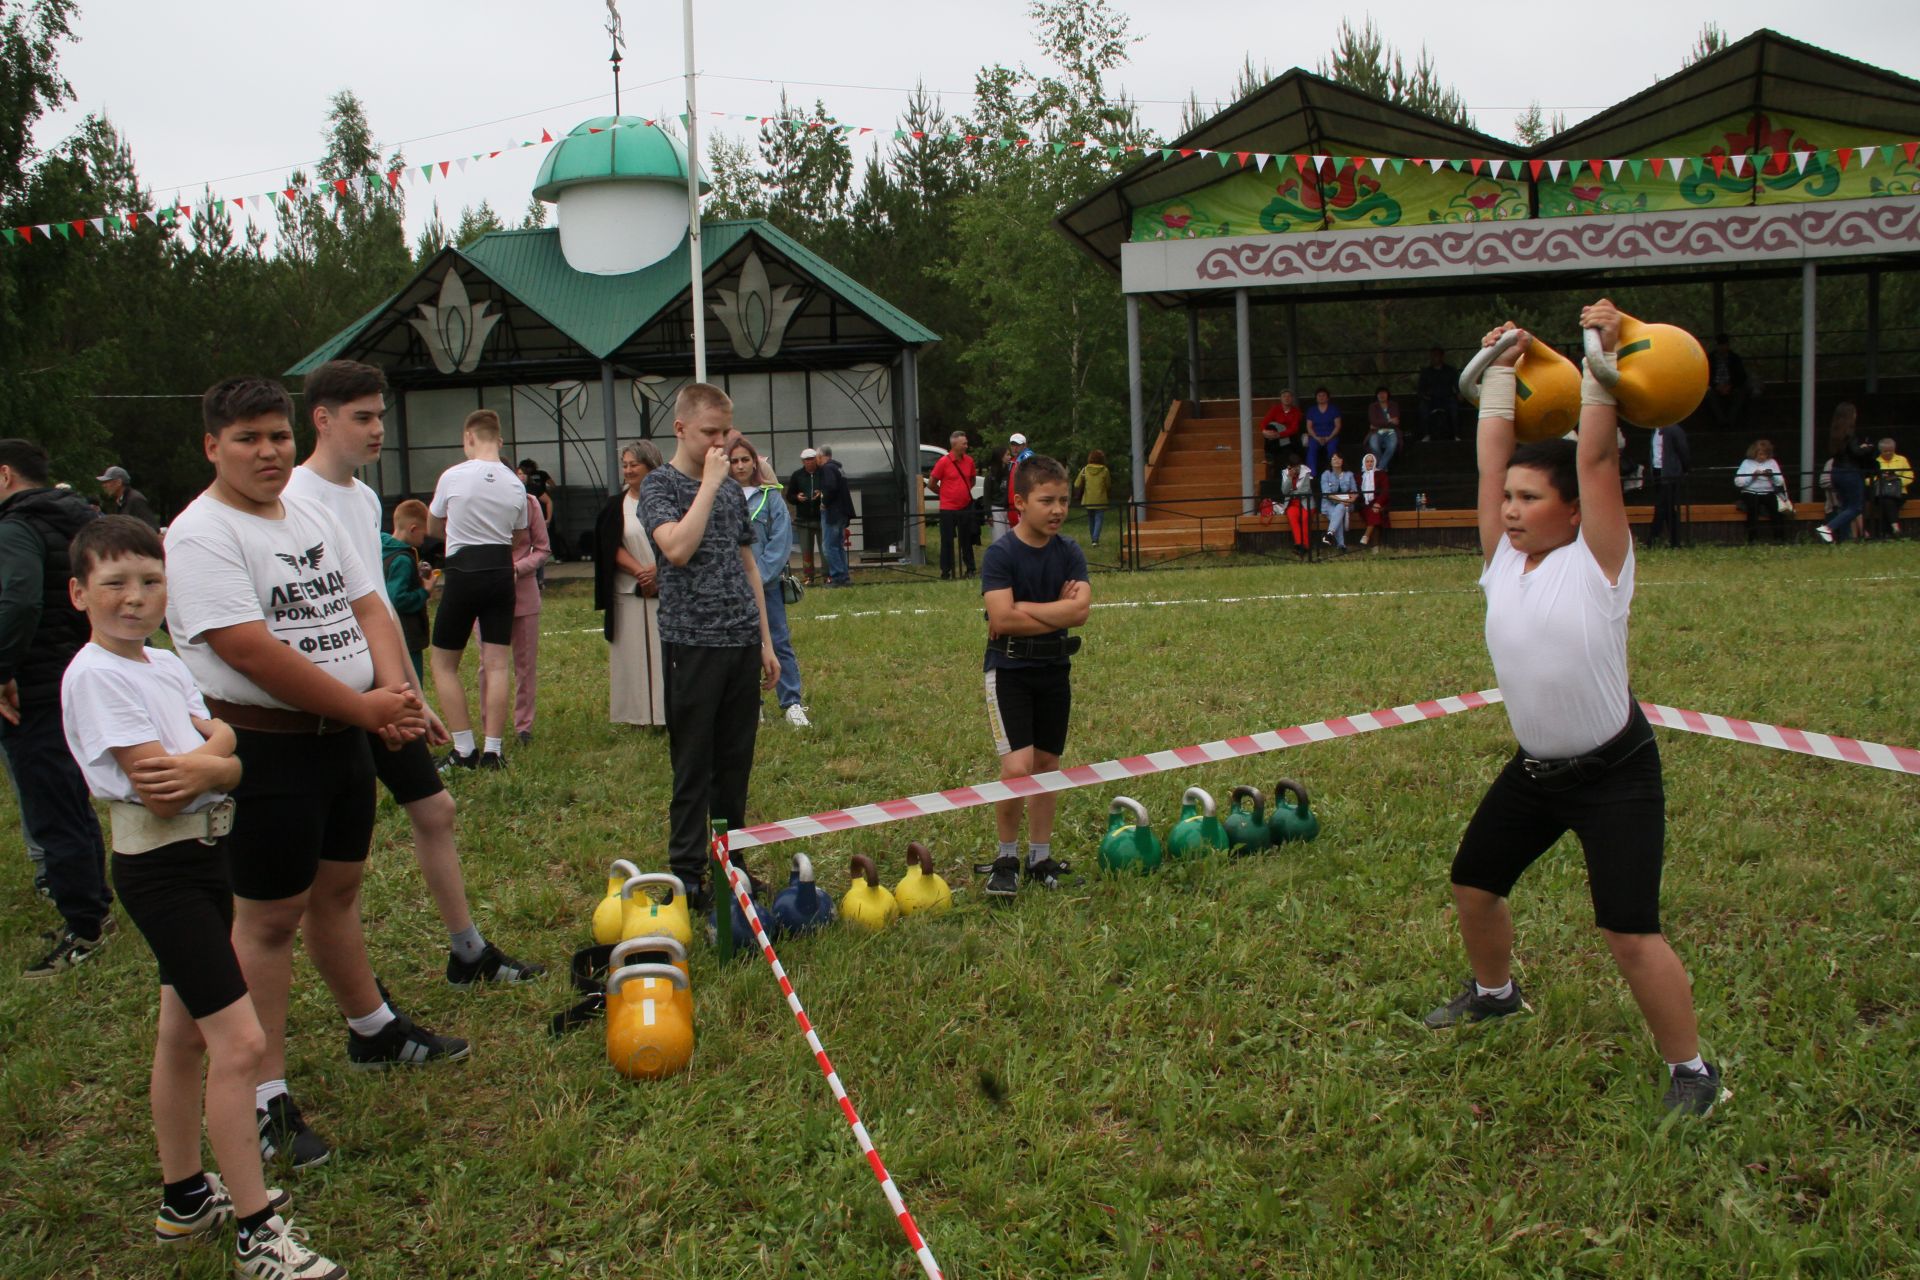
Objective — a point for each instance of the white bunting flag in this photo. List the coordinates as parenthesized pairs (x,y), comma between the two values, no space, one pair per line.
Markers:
(1740,165)
(1616,166)
(1433,166)
(1866,154)
(1801,157)
(1378,163)
(1674,162)
(1553,168)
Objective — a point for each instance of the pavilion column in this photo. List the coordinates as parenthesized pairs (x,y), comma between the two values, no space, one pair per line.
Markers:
(400,443)
(610,423)
(1809,464)
(907,446)
(1193,354)
(1136,400)
(1873,330)
(1243,344)
(1293,355)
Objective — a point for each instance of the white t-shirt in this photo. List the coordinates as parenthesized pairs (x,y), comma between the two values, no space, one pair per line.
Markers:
(299,574)
(357,507)
(108,701)
(482,502)
(1558,638)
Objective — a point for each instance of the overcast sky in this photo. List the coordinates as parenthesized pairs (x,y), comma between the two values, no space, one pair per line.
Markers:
(234,92)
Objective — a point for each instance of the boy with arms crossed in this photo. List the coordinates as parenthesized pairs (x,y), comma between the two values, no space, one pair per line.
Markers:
(1559,582)
(347,402)
(141,733)
(1034,583)
(286,635)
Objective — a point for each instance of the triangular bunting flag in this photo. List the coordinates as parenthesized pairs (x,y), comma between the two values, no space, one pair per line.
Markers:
(1319,163)
(462,162)
(1476,166)
(99,225)
(1616,166)
(26,234)
(1910,148)
(1059,147)
(79,226)
(1224,157)
(443,166)
(1674,163)
(393,178)
(1433,166)
(133,221)
(340,185)
(1300,163)
(1356,161)
(1399,165)
(1740,165)
(1594,167)
(238,202)
(1636,168)
(1553,169)
(1800,158)
(61,229)
(1241,156)
(1843,155)
(545,136)
(1165,155)
(1866,155)
(1458,166)
(10,234)
(1694,165)
(1719,164)
(1535,166)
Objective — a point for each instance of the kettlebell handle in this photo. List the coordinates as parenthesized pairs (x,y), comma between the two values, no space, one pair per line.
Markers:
(641,946)
(678,885)
(1206,800)
(863,866)
(1603,373)
(1478,366)
(1285,785)
(1241,793)
(665,972)
(803,867)
(917,856)
(620,865)
(1132,806)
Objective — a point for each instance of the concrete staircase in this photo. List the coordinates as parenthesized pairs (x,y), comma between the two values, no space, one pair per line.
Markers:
(1192,474)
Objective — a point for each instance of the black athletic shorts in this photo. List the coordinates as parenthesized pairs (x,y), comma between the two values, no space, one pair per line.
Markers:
(1620,818)
(478,588)
(179,899)
(302,798)
(408,774)
(1028,707)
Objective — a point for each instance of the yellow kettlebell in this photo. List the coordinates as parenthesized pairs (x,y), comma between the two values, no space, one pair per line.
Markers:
(644,915)
(649,1035)
(867,902)
(1660,374)
(658,949)
(610,913)
(1546,387)
(923,891)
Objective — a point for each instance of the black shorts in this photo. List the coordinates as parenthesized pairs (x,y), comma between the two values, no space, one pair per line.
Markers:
(302,798)
(408,774)
(479,588)
(1620,818)
(1028,707)
(179,899)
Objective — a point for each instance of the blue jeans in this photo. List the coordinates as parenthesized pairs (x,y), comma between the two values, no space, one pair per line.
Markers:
(35,854)
(1383,445)
(1336,514)
(59,813)
(1850,499)
(1320,456)
(1096,521)
(833,534)
(788,687)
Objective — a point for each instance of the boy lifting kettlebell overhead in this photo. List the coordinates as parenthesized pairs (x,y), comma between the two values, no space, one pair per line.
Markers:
(1034,584)
(1558,578)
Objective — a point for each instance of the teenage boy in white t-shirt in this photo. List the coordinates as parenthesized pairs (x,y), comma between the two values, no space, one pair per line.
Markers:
(286,635)
(346,401)
(1559,583)
(480,508)
(142,735)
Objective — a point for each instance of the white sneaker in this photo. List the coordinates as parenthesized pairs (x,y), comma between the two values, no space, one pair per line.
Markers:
(277,1251)
(1826,534)
(797,717)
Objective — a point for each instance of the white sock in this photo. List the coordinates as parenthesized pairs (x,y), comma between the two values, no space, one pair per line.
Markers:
(492,745)
(1695,1063)
(371,1024)
(267,1092)
(463,741)
(467,944)
(1497,993)
(1039,853)
(1008,849)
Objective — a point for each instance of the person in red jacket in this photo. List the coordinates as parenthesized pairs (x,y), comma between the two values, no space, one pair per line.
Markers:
(952,480)
(1280,427)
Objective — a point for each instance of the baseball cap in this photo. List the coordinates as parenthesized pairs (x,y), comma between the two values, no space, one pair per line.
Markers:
(809,453)
(113,473)
(1016,438)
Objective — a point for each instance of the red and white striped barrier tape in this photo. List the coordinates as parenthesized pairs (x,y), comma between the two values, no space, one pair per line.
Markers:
(1087,775)
(1875,755)
(737,881)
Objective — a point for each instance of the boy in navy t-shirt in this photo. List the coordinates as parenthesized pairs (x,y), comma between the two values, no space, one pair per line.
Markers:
(1034,584)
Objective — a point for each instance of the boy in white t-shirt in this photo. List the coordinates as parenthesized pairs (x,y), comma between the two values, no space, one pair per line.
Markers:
(1559,582)
(142,735)
(480,508)
(289,638)
(346,403)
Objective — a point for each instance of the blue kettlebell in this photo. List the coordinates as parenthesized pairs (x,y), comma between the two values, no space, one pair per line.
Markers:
(743,939)
(1197,832)
(800,907)
(1247,826)
(1130,844)
(1295,822)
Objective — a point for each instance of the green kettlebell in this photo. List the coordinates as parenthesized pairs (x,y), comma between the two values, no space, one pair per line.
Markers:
(1129,844)
(1291,823)
(1197,832)
(1247,827)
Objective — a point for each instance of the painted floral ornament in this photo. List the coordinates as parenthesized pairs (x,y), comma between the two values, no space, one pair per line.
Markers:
(454,329)
(757,313)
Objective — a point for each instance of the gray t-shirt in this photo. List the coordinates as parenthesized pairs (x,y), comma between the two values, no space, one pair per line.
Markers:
(707,601)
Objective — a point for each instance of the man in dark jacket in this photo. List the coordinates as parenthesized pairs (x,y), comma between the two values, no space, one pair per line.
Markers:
(125,500)
(40,631)
(806,493)
(1670,457)
(836,513)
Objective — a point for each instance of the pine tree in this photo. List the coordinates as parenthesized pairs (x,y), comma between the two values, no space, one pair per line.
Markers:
(1362,59)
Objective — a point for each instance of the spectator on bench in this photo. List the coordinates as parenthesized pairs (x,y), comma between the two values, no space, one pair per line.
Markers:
(1762,486)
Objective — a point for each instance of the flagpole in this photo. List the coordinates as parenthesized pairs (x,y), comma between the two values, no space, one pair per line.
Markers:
(693,209)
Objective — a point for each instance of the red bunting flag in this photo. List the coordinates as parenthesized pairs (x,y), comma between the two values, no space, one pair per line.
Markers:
(1843,155)
(1241,156)
(444,166)
(1719,164)
(1300,163)
(1910,148)
(1475,166)
(1535,166)
(545,136)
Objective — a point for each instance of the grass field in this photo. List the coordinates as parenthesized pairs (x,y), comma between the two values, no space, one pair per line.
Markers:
(1216,1072)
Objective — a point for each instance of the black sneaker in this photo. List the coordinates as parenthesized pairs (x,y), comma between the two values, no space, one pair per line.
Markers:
(494,965)
(1003,877)
(524,737)
(491,760)
(284,1133)
(1047,873)
(276,1251)
(401,1043)
(454,760)
(1693,1093)
(69,950)
(170,1227)
(1471,1006)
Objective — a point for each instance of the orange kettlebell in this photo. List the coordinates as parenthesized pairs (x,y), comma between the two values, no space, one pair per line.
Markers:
(1546,391)
(1660,374)
(649,1035)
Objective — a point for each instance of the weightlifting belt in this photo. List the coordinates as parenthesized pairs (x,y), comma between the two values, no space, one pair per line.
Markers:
(242,715)
(136,830)
(1560,775)
(1035,648)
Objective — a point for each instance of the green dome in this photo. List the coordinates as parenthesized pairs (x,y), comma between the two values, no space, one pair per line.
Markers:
(604,148)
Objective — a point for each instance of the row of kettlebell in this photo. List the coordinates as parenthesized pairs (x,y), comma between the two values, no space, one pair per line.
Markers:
(1131,845)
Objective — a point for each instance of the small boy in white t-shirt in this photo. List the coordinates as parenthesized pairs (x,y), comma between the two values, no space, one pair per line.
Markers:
(141,733)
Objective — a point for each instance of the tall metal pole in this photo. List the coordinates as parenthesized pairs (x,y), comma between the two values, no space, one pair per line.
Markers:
(1136,400)
(1809,465)
(1243,345)
(694,260)
(1193,354)
(610,427)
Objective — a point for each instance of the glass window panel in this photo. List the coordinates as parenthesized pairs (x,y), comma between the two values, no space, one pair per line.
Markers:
(535,414)
(435,417)
(860,453)
(585,461)
(861,396)
(629,409)
(784,448)
(500,400)
(427,464)
(787,409)
(752,405)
